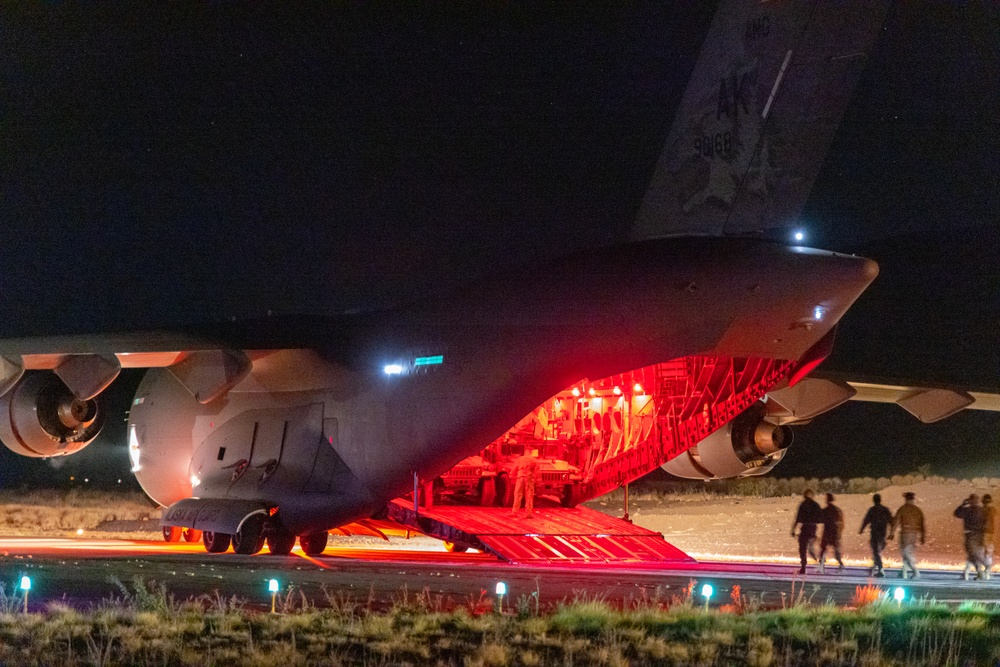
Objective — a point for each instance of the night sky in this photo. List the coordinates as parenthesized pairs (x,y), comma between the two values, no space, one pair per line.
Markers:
(162,166)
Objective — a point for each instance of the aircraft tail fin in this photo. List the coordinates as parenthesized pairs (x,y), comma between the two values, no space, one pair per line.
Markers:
(758,115)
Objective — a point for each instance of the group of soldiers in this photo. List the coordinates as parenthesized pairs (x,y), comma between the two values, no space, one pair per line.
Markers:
(980,523)
(880,522)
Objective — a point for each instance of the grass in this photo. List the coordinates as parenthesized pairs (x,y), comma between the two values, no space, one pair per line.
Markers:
(146,626)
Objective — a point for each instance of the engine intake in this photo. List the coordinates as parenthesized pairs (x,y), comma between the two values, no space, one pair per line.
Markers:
(40,417)
(748,445)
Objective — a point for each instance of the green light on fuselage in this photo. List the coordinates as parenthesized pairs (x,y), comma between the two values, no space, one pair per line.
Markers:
(429,361)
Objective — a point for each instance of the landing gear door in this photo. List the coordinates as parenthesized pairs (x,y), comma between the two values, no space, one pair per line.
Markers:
(259,453)
(285,457)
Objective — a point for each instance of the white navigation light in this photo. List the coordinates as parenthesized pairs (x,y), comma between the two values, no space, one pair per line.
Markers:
(195,481)
(799,236)
(817,313)
(133,449)
(393,369)
(501,588)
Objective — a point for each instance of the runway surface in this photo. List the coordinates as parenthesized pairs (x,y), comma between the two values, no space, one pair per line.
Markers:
(78,571)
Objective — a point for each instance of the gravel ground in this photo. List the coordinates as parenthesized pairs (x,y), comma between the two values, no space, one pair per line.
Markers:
(746,528)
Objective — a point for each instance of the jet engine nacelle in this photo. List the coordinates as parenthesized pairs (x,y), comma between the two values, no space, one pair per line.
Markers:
(40,417)
(748,445)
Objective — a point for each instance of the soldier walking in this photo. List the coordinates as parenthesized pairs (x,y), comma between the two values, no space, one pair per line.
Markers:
(833,529)
(878,518)
(990,530)
(525,469)
(809,516)
(973,524)
(909,521)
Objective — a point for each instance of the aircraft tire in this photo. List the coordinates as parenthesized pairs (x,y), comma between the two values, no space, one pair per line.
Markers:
(215,543)
(487,492)
(570,496)
(313,544)
(191,534)
(171,533)
(280,541)
(504,491)
(249,539)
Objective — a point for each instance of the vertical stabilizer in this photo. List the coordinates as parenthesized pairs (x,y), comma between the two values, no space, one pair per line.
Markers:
(758,115)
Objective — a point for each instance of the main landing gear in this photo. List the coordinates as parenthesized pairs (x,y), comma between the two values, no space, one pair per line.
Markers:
(251,538)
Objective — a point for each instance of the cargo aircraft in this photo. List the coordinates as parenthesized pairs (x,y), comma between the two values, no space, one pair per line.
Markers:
(277,429)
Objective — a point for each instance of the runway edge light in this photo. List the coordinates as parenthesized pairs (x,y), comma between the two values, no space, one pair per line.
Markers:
(501,591)
(899,594)
(25,586)
(706,592)
(272,587)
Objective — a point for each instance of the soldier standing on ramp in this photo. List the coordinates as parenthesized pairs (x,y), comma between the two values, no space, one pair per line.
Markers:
(909,521)
(525,469)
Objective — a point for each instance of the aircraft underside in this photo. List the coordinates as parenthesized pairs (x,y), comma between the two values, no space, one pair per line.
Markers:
(628,358)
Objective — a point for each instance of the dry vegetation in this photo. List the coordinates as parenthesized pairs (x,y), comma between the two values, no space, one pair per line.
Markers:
(145,626)
(54,513)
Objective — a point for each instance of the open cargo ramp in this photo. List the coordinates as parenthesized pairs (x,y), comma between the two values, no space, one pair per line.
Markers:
(550,536)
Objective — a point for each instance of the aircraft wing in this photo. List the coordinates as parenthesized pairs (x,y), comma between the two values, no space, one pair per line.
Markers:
(821,392)
(87,364)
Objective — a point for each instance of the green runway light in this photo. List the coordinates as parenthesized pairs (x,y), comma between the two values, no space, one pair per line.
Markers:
(272,587)
(428,361)
(25,586)
(501,591)
(706,592)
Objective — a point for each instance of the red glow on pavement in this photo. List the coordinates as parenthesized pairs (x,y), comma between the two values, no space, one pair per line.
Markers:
(27,547)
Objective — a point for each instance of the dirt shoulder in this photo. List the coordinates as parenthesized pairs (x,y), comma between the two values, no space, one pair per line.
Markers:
(747,528)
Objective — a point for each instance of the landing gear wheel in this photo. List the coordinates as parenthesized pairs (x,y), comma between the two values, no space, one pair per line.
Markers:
(570,496)
(313,544)
(280,541)
(249,539)
(191,534)
(456,547)
(487,492)
(504,491)
(215,543)
(171,533)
